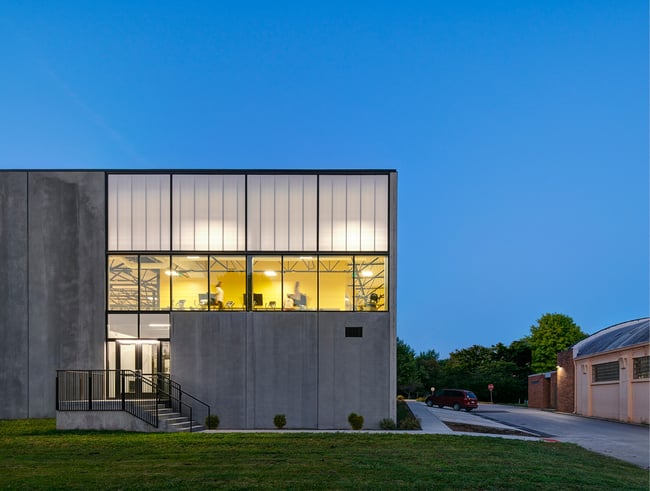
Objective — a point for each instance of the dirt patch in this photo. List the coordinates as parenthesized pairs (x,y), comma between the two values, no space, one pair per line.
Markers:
(486,429)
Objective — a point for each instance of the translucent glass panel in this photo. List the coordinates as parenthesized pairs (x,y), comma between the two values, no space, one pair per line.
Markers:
(353,213)
(138,212)
(208,212)
(229,272)
(282,212)
(190,288)
(134,326)
(300,282)
(154,326)
(123,326)
(267,283)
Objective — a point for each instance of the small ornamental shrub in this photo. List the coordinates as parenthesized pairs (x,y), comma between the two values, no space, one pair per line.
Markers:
(387,424)
(356,421)
(400,397)
(280,421)
(410,423)
(212,422)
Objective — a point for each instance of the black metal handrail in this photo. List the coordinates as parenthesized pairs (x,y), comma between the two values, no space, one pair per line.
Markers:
(124,390)
(178,397)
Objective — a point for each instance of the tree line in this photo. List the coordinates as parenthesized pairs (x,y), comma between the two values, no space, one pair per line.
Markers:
(473,368)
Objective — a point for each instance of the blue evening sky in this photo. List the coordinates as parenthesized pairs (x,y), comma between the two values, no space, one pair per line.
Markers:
(519,130)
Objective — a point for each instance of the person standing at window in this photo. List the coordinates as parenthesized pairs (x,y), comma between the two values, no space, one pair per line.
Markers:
(218,299)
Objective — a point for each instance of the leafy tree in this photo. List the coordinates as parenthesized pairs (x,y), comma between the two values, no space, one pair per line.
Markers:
(553,333)
(428,368)
(507,367)
(407,372)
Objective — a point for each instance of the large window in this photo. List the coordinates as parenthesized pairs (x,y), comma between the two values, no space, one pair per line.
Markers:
(605,372)
(300,282)
(139,283)
(641,367)
(138,326)
(123,283)
(228,280)
(267,283)
(336,283)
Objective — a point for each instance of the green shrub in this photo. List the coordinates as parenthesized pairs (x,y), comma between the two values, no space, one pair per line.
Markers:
(356,421)
(280,421)
(400,397)
(387,424)
(410,423)
(212,422)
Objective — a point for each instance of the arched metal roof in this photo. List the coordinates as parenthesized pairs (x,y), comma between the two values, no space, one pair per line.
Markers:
(614,337)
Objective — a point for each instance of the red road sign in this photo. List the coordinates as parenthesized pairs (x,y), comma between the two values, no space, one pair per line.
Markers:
(490,387)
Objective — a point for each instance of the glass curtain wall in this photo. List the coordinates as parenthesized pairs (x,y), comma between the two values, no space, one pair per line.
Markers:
(294,221)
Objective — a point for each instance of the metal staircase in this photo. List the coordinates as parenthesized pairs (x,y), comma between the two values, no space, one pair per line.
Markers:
(153,398)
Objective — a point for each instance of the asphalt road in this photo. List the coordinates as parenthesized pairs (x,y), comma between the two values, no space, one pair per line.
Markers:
(627,442)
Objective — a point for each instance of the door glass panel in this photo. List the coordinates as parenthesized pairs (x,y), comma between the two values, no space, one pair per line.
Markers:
(149,358)
(166,357)
(127,356)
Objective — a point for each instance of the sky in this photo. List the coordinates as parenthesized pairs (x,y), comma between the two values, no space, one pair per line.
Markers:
(519,131)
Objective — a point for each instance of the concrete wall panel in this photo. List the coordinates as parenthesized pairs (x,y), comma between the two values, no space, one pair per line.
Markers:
(282,353)
(66,279)
(354,373)
(14,351)
(208,353)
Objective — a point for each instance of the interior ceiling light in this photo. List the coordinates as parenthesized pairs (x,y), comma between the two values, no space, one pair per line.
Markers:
(366,273)
(169,272)
(270,273)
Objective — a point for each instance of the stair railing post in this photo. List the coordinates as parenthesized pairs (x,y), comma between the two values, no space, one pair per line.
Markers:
(90,390)
(122,383)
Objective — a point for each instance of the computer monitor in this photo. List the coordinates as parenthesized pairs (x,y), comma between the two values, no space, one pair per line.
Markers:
(203,298)
(258,300)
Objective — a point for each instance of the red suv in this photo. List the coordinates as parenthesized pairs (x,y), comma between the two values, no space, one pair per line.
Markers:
(456,398)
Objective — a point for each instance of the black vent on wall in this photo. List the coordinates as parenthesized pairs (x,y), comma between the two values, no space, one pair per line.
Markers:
(354,332)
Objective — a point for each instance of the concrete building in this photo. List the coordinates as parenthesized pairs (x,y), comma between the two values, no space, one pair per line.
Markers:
(606,375)
(259,292)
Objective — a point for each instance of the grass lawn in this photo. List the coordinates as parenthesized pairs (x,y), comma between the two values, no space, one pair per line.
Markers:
(33,455)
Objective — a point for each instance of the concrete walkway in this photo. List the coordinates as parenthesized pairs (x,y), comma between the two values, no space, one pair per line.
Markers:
(432,420)
(627,442)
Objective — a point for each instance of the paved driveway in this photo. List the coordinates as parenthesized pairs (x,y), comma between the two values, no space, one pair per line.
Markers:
(622,441)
